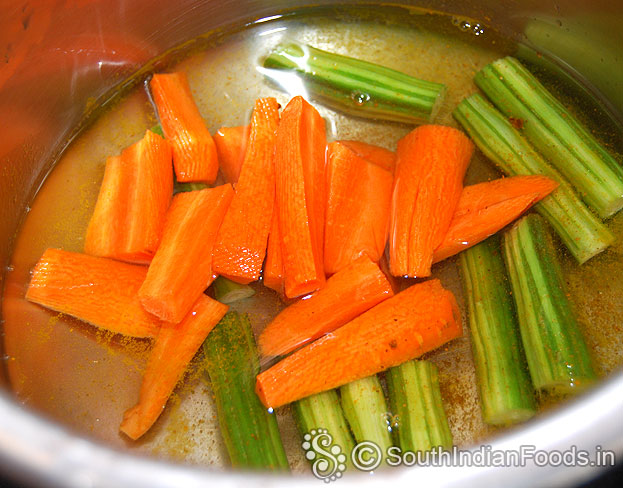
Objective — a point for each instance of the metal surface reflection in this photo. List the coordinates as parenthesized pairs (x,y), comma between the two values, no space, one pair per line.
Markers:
(59,57)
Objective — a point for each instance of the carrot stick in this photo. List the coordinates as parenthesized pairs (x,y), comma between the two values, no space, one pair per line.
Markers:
(432,160)
(300,168)
(347,294)
(482,195)
(485,208)
(133,199)
(417,320)
(100,291)
(358,203)
(231,144)
(194,151)
(173,349)
(273,267)
(469,230)
(241,245)
(182,267)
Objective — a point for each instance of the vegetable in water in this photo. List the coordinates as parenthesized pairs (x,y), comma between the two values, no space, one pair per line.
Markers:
(182,268)
(417,320)
(361,88)
(241,244)
(485,208)
(347,294)
(157,129)
(228,291)
(132,202)
(324,411)
(249,430)
(303,216)
(359,190)
(174,348)
(431,163)
(186,187)
(582,232)
(194,152)
(555,133)
(366,410)
(100,291)
(420,422)
(300,167)
(506,393)
(557,355)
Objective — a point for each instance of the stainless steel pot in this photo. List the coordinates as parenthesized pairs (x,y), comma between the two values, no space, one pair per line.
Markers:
(46,82)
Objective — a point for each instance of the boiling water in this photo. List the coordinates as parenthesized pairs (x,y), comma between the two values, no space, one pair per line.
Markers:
(86,379)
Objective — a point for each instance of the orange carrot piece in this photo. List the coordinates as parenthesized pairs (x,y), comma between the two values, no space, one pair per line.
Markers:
(194,151)
(347,294)
(482,195)
(273,267)
(300,168)
(231,144)
(241,245)
(417,320)
(182,267)
(173,350)
(468,231)
(485,208)
(431,164)
(358,203)
(100,291)
(133,199)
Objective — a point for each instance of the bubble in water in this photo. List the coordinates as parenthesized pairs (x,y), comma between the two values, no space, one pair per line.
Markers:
(477,30)
(392,421)
(360,98)
(465,25)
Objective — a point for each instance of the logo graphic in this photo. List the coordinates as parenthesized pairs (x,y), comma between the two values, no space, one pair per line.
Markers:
(366,456)
(328,461)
